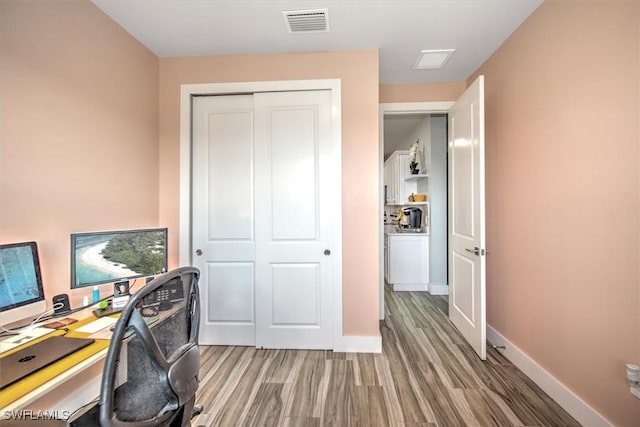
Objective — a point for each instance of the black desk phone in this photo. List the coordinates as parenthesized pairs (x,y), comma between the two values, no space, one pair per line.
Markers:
(166,295)
(161,299)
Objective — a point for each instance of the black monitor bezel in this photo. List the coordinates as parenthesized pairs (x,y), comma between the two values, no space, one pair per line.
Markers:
(38,274)
(74,236)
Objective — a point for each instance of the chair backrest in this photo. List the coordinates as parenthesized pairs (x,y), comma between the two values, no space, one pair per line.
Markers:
(151,371)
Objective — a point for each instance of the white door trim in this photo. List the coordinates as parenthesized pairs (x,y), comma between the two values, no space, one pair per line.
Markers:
(187,91)
(390,108)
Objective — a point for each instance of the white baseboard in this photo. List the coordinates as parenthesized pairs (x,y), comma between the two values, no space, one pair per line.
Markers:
(569,401)
(358,344)
(410,287)
(438,289)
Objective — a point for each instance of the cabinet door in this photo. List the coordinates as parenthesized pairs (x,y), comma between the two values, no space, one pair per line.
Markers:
(386,258)
(405,188)
(394,181)
(388,179)
(396,170)
(408,259)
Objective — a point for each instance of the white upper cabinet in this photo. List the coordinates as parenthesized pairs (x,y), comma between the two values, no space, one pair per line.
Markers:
(399,181)
(394,174)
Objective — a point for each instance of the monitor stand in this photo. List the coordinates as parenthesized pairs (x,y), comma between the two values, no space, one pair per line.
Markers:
(101,312)
(119,300)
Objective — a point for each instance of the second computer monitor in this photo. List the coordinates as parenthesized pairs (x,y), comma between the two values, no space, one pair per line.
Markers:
(114,256)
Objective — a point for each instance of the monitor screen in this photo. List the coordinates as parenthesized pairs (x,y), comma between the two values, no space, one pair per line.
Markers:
(20,279)
(113,256)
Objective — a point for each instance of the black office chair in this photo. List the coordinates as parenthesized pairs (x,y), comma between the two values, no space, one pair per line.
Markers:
(151,371)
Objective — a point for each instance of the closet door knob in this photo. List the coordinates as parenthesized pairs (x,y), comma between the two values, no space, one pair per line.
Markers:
(327,252)
(198,252)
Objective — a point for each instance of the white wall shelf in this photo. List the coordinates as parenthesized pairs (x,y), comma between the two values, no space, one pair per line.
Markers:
(416,177)
(408,204)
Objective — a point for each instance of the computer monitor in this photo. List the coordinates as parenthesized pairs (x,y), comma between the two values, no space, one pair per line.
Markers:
(21,292)
(115,256)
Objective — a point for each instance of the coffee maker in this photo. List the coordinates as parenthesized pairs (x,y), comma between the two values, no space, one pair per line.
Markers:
(414,217)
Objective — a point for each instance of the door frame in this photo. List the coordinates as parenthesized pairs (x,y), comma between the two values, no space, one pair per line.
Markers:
(187,92)
(391,108)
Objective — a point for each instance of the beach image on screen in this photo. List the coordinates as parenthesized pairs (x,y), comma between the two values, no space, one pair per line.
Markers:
(18,281)
(106,257)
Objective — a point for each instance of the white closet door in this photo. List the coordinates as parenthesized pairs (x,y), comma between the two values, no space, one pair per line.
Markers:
(295,187)
(223,233)
(266,191)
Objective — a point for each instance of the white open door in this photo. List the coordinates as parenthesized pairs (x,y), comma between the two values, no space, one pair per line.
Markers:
(467,263)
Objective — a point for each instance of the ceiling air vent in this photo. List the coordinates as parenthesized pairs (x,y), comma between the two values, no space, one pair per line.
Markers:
(307,21)
(433,59)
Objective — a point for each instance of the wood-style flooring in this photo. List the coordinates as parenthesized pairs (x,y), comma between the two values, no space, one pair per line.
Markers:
(426,375)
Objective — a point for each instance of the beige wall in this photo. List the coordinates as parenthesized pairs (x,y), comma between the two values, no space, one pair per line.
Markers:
(358,71)
(421,92)
(78,141)
(562,166)
(562,114)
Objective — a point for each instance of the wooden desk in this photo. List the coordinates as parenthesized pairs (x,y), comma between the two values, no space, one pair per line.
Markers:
(64,386)
(72,383)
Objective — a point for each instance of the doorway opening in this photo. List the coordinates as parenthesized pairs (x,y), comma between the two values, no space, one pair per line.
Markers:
(401,126)
(466,234)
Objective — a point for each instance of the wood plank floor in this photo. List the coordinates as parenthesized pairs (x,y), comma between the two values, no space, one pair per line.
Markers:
(426,376)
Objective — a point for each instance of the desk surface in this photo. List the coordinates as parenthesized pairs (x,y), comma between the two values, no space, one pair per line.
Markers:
(35,386)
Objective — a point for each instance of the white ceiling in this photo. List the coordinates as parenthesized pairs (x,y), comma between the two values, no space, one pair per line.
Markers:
(400,29)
